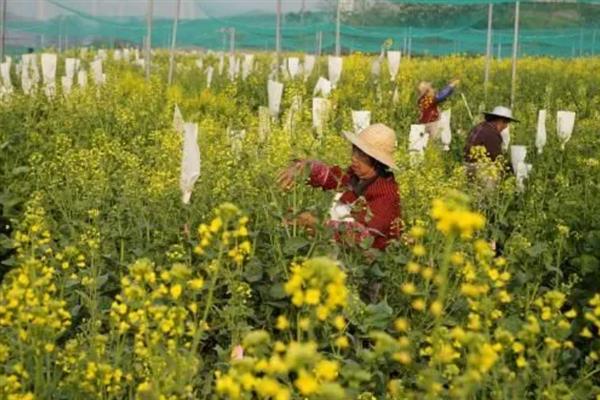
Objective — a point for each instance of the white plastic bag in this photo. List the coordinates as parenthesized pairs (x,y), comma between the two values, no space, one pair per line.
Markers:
(361,119)
(376,67)
(264,123)
(505,138)
(97,74)
(517,155)
(209,75)
(540,136)
(444,129)
(275,91)
(309,65)
(393,58)
(323,87)
(293,66)
(521,169)
(334,69)
(66,84)
(231,68)
(320,111)
(221,63)
(190,162)
(565,122)
(49,73)
(236,138)
(71,67)
(5,72)
(248,65)
(417,138)
(82,78)
(178,122)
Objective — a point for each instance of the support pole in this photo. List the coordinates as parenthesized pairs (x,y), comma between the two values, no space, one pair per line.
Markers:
(409,41)
(319,43)
(488,50)
(302,10)
(594,42)
(232,40)
(3,31)
(338,47)
(173,42)
(278,32)
(148,52)
(514,57)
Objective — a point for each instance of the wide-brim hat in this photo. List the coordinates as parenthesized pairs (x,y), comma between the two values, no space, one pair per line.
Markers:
(502,112)
(377,141)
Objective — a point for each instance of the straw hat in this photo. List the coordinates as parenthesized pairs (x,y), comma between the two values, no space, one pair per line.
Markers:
(425,87)
(503,112)
(378,141)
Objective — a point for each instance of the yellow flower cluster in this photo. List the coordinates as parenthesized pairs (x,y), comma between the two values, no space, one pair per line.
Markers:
(452,216)
(318,283)
(267,368)
(226,232)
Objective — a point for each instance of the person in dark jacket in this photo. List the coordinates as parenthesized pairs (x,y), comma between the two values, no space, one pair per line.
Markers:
(487,134)
(369,204)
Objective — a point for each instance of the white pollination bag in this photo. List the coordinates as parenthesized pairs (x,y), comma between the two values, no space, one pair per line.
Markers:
(221,63)
(292,113)
(97,74)
(393,58)
(361,119)
(71,65)
(247,65)
(199,63)
(322,87)
(102,55)
(275,91)
(309,65)
(178,121)
(505,138)
(117,55)
(540,136)
(5,72)
(190,161)
(417,138)
(293,66)
(565,122)
(334,69)
(236,139)
(126,55)
(209,75)
(49,73)
(444,128)
(520,168)
(320,111)
(66,84)
(376,67)
(82,78)
(231,66)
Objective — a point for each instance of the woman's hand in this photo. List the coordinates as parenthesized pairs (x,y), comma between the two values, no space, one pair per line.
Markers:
(287,177)
(454,82)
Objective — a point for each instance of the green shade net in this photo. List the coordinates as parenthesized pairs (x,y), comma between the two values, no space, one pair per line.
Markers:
(423,27)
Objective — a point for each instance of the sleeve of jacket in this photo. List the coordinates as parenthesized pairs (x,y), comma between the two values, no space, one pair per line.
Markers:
(325,176)
(444,93)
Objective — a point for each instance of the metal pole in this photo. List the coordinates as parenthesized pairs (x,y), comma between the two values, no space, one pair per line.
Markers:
(581,42)
(499,50)
(302,10)
(3,31)
(409,41)
(514,56)
(147,56)
(488,50)
(594,42)
(232,40)
(278,31)
(320,43)
(337,31)
(173,42)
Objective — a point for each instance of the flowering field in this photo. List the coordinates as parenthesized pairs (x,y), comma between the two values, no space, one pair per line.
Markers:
(113,288)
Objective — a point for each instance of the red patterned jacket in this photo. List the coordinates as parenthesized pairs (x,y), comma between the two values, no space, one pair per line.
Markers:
(380,214)
(428,105)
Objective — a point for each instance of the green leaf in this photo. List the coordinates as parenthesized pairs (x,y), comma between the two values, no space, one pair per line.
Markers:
(293,245)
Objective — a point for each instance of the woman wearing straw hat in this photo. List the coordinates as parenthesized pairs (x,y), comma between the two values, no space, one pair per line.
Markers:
(488,133)
(429,99)
(369,205)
